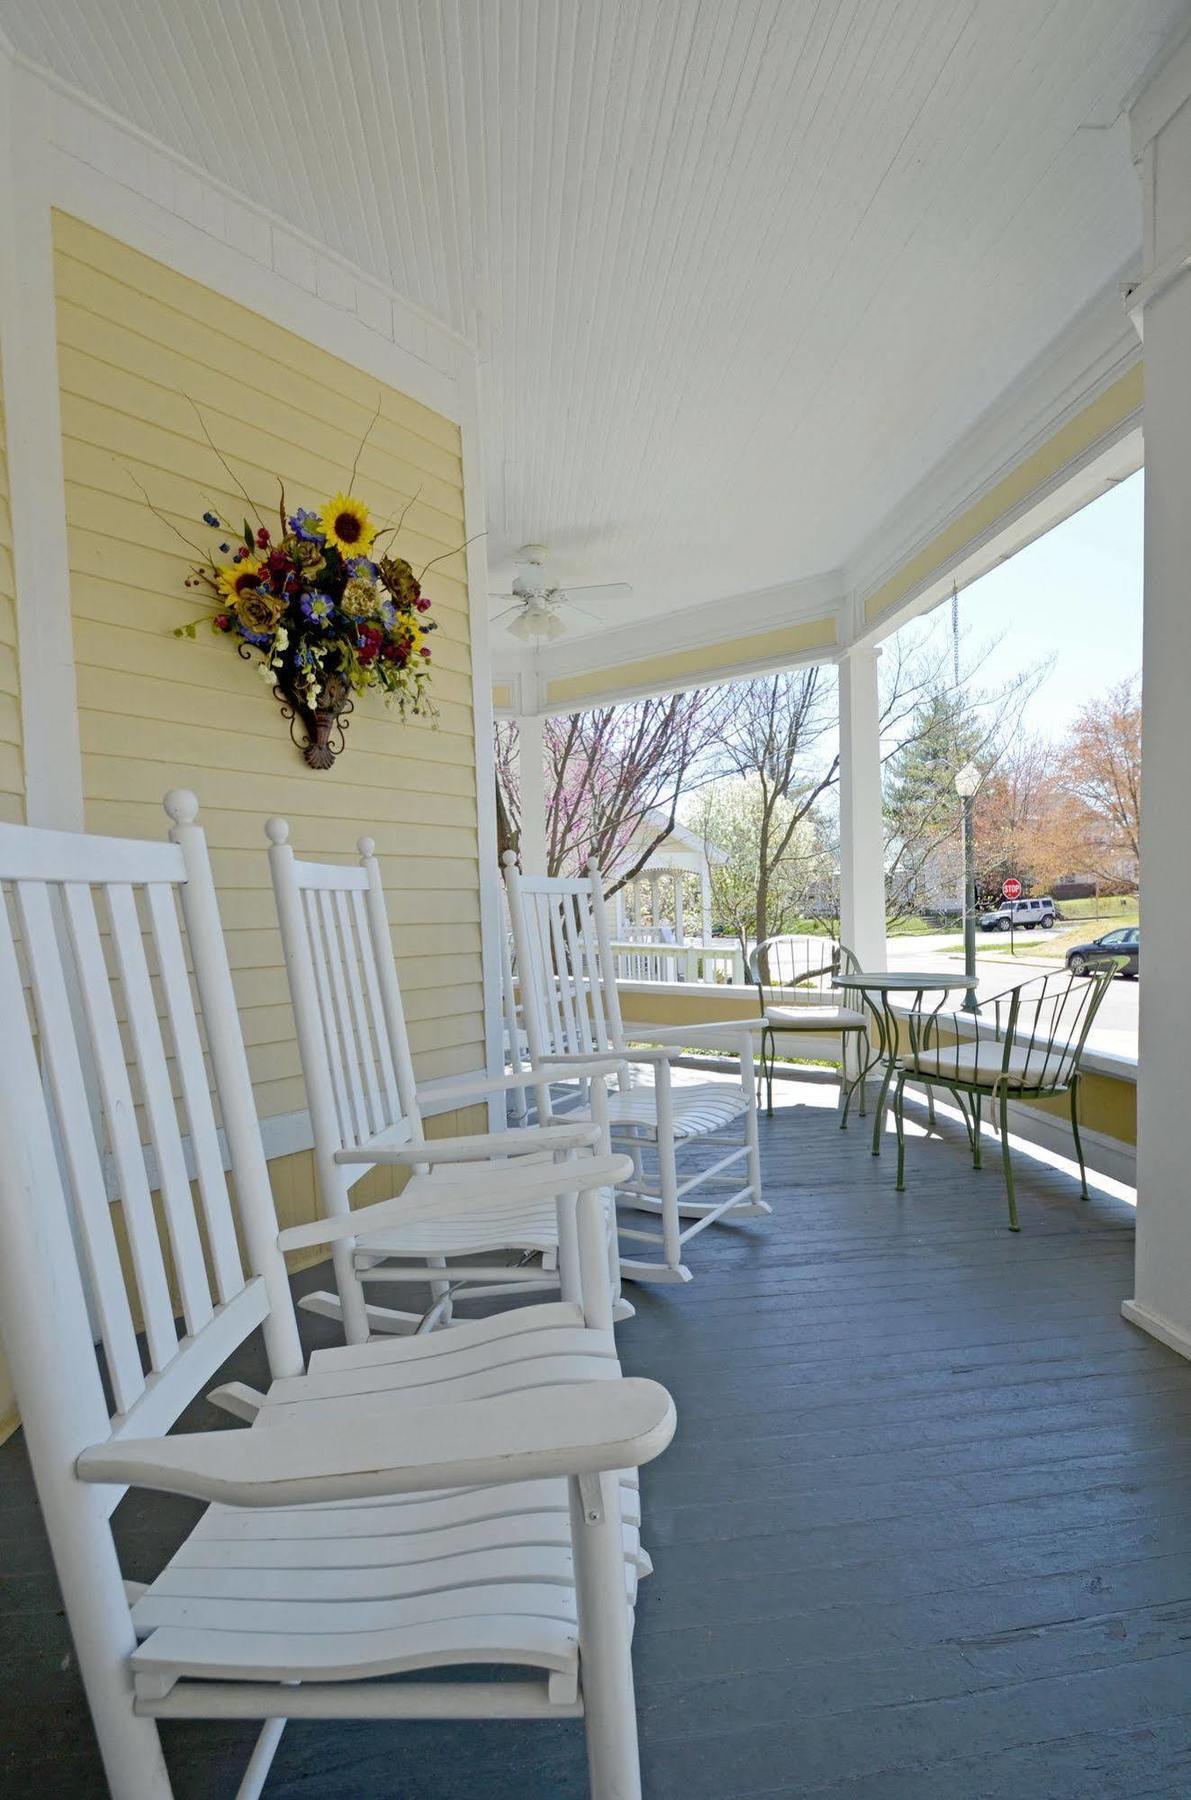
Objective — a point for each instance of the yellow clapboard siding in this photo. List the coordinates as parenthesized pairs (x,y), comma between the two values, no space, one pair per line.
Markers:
(126,677)
(139,422)
(211,747)
(265,342)
(12,773)
(138,342)
(251,908)
(118,775)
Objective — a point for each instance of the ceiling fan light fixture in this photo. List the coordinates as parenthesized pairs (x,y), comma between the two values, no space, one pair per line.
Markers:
(537,623)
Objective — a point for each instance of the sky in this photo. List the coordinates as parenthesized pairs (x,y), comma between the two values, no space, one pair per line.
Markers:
(1074,594)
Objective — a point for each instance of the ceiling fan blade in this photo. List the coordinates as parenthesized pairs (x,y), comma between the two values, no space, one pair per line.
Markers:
(605,590)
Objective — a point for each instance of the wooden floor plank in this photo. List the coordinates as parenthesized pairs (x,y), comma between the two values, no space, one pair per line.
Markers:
(924,1532)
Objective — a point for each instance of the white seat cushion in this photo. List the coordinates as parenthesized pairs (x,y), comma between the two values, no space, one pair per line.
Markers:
(983,1064)
(815,1018)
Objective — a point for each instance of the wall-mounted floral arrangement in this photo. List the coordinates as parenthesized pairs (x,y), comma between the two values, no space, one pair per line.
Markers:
(327,616)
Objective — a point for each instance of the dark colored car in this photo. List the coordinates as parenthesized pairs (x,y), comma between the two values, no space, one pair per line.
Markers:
(1124,941)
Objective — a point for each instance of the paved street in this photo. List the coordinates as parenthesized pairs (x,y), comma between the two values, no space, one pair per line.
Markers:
(1115,1029)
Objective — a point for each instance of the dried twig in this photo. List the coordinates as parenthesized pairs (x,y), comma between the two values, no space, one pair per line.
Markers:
(367,434)
(231,474)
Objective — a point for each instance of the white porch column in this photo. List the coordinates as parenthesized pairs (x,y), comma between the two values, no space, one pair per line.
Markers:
(862,826)
(705,901)
(679,904)
(531,763)
(1161,1303)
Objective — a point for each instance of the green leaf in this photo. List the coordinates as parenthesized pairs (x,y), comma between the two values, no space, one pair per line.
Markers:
(248,537)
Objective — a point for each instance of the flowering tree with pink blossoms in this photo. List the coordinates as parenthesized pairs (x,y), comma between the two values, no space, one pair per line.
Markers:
(612,772)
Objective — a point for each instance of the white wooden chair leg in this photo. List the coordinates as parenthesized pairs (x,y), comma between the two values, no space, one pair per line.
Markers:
(440,1291)
(261,1760)
(351,1293)
(751,1132)
(570,1280)
(605,1661)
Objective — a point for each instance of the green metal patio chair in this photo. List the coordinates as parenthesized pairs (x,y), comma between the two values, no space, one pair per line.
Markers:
(794,975)
(1034,1050)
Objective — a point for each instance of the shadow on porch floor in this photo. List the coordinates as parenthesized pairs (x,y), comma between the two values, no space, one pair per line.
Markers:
(925,1530)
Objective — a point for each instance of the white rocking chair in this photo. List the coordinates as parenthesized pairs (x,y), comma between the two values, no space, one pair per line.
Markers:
(567,975)
(365,1111)
(493,1529)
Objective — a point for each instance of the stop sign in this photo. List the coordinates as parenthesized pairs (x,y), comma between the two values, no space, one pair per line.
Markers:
(1011,889)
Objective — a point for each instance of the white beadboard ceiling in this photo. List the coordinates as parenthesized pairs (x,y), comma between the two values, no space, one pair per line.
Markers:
(741,271)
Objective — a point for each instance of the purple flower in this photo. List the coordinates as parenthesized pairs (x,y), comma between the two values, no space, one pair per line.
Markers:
(307,525)
(361,566)
(318,608)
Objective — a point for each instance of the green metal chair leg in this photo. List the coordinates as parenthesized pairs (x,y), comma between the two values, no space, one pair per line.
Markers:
(977,1109)
(1007,1162)
(899,1119)
(965,1115)
(930,1107)
(768,1057)
(1083,1174)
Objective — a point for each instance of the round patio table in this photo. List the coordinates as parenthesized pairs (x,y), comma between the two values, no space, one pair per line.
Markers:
(879,988)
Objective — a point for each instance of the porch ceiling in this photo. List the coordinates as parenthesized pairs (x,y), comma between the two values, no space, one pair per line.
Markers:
(742,274)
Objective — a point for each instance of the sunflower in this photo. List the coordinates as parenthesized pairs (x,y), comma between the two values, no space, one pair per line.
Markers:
(346,525)
(238,579)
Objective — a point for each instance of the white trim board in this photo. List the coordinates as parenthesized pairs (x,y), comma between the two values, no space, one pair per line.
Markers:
(106,173)
(1173,1336)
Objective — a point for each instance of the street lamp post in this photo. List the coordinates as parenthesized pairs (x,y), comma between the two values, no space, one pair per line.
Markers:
(967,781)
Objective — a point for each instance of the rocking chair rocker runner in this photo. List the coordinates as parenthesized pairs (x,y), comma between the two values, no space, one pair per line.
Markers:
(484,1533)
(567,977)
(365,1111)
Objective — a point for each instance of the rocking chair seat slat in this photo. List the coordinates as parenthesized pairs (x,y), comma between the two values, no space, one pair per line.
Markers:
(700,1108)
(477,1629)
(471,1339)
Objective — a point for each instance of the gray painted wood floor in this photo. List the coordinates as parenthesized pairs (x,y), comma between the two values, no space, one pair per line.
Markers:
(925,1529)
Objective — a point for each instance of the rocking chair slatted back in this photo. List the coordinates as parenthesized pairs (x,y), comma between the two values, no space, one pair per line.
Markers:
(347,1004)
(569,995)
(111,1187)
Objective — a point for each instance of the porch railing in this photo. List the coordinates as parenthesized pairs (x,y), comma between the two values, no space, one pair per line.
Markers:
(636,961)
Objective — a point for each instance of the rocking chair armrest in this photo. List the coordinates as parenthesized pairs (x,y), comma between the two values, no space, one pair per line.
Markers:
(580,1428)
(425,1199)
(715,1030)
(474,1086)
(478,1146)
(601,1062)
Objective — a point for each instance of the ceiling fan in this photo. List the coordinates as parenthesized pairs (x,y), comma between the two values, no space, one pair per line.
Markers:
(538,601)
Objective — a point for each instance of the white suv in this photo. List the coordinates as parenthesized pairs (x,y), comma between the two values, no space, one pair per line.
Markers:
(1020,912)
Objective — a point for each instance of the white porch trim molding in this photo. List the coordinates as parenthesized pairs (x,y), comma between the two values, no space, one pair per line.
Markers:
(1161,124)
(59,149)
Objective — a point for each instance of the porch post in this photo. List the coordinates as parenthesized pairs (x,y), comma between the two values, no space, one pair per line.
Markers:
(1161,1302)
(531,766)
(679,904)
(862,829)
(705,899)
